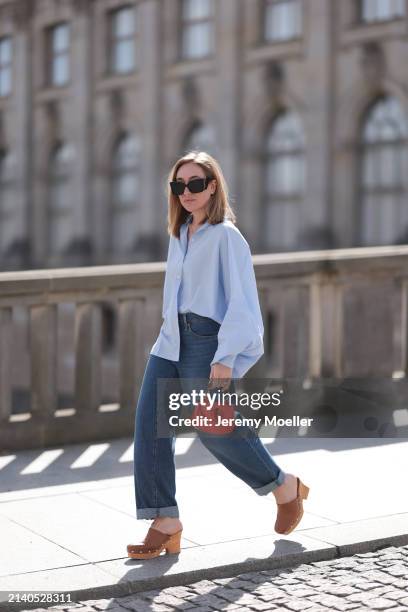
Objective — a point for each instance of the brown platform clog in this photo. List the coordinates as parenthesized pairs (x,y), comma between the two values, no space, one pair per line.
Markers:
(153,544)
(290,513)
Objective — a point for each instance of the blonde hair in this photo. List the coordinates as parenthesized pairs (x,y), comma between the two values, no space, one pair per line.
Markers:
(219,207)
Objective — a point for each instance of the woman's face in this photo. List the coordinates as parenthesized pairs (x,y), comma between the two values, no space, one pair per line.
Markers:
(194,201)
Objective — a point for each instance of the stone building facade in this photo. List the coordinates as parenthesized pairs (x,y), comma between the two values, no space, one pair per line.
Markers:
(304,103)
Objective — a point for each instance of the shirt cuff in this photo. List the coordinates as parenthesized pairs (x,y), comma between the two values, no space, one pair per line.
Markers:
(228,361)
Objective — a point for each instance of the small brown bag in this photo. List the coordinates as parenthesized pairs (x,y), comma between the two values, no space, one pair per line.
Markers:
(223,410)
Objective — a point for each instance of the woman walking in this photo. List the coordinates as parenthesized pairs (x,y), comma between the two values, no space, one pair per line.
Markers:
(212,329)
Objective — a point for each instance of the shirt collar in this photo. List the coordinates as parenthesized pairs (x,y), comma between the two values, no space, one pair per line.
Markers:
(184,229)
(189,220)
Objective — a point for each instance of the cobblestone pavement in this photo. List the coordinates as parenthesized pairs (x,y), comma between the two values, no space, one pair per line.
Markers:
(370,581)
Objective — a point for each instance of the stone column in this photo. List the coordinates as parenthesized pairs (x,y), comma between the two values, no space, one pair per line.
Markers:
(316,217)
(22,103)
(228,108)
(80,116)
(149,62)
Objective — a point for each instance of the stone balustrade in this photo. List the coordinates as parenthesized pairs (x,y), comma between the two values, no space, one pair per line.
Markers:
(336,313)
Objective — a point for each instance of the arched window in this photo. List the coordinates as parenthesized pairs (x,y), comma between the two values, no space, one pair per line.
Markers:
(282,20)
(284,178)
(58,54)
(201,138)
(125,192)
(60,197)
(6,195)
(122,29)
(6,62)
(381,10)
(384,168)
(197,28)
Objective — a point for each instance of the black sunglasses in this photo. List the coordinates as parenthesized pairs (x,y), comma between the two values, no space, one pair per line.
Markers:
(195,185)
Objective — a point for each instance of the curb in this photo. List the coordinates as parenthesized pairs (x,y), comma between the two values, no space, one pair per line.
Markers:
(130,587)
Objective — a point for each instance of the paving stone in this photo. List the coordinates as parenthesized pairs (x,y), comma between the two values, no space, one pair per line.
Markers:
(398,571)
(208,599)
(300,591)
(262,606)
(84,608)
(96,602)
(403,602)
(351,580)
(179,591)
(298,604)
(170,600)
(396,595)
(287,581)
(241,584)
(317,583)
(260,579)
(388,559)
(379,576)
(361,567)
(269,593)
(203,609)
(342,590)
(203,586)
(316,608)
(372,594)
(229,606)
(401,583)
(236,595)
(331,601)
(322,563)
(364,582)
(103,604)
(118,608)
(134,603)
(71,605)
(364,585)
(122,609)
(66,605)
(380,603)
(345,564)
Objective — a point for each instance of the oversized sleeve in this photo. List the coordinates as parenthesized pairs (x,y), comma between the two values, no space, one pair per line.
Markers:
(167,287)
(240,336)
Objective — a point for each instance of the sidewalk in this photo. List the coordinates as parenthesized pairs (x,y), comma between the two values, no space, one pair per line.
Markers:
(66,515)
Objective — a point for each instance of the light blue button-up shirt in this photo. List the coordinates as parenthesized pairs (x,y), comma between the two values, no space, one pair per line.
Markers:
(212,274)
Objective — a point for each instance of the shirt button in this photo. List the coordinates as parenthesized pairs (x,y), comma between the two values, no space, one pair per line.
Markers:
(178,276)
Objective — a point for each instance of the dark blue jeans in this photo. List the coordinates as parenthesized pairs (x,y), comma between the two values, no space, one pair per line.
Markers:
(242,452)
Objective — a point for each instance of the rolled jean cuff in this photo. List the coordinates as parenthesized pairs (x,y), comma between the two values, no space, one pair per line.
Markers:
(271,485)
(150,513)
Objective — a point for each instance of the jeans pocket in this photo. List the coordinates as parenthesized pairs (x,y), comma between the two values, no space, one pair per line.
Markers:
(204,328)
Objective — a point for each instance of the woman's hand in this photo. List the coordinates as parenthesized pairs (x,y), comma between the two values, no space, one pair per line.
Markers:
(220,377)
